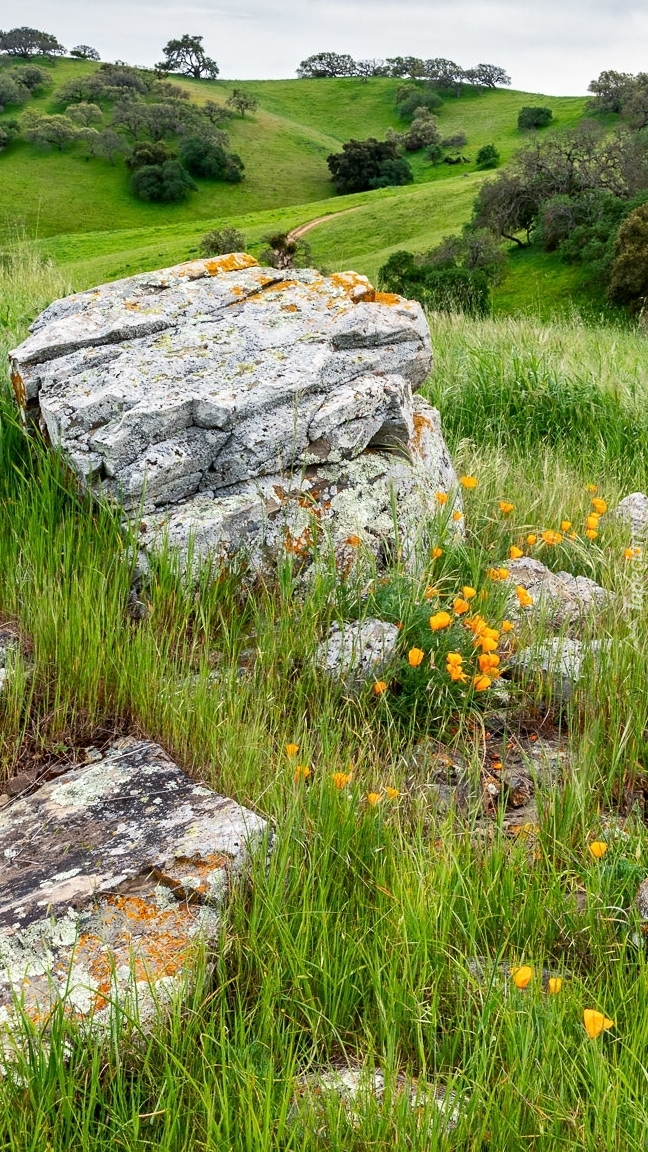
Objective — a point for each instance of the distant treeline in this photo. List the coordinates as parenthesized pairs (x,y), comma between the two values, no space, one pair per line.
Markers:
(441,73)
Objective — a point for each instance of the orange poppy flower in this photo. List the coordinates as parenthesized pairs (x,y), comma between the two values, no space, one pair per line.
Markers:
(595,1022)
(415,657)
(460,606)
(440,620)
(523,976)
(441,498)
(341,779)
(515,552)
(379,687)
(302,771)
(505,507)
(468,481)
(436,552)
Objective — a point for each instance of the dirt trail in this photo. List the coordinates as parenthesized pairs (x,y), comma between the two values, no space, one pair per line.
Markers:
(297,233)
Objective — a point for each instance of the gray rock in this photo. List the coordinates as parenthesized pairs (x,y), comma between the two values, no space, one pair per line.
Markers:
(633,511)
(219,371)
(354,1085)
(109,875)
(346,507)
(558,597)
(357,652)
(9,652)
(558,660)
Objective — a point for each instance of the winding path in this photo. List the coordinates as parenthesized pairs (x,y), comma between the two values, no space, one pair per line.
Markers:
(302,229)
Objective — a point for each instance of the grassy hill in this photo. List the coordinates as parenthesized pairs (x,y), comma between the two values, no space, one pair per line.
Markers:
(87,220)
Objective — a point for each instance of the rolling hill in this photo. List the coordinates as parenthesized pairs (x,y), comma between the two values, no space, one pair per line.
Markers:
(85,218)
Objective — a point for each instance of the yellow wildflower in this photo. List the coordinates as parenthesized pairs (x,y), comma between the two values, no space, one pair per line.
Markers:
(551,537)
(598,848)
(565,525)
(554,985)
(599,505)
(440,620)
(292,749)
(457,515)
(591,488)
(505,507)
(441,498)
(482,683)
(302,771)
(468,481)
(436,552)
(531,539)
(341,779)
(595,1022)
(507,626)
(379,687)
(515,552)
(524,599)
(373,798)
(523,976)
(468,593)
(392,793)
(415,657)
(591,534)
(460,606)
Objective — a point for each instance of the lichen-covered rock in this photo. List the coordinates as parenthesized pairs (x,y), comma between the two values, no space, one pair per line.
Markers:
(345,506)
(109,876)
(558,597)
(633,511)
(356,652)
(218,371)
(559,662)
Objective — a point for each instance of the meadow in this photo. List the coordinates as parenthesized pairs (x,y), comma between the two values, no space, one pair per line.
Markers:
(83,216)
(384,933)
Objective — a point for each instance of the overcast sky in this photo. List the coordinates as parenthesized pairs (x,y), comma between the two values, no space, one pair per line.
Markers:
(550,46)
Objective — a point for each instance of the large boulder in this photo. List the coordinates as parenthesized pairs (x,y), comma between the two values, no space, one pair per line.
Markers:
(109,877)
(235,405)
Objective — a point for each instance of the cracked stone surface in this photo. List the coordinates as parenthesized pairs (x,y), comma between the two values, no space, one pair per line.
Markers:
(349,505)
(559,597)
(109,877)
(559,660)
(220,370)
(358,651)
(228,406)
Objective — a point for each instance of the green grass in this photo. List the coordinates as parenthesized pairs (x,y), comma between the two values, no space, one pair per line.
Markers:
(361,938)
(86,219)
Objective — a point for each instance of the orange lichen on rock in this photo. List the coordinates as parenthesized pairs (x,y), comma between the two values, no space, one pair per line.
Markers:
(19,389)
(357,287)
(389,298)
(233,262)
(289,308)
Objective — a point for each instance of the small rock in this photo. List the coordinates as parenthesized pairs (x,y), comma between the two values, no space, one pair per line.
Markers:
(108,876)
(517,786)
(560,597)
(350,1082)
(633,511)
(641,900)
(357,652)
(559,660)
(21,783)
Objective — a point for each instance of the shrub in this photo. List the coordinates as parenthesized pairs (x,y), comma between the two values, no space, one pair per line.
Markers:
(167,183)
(11,92)
(488,156)
(284,251)
(534,118)
(31,76)
(208,160)
(9,130)
(423,132)
(629,271)
(147,154)
(437,289)
(410,97)
(222,241)
(455,142)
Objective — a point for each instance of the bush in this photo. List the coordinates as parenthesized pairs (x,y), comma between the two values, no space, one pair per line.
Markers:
(366,164)
(629,271)
(423,132)
(166,183)
(222,241)
(455,142)
(283,251)
(534,118)
(31,76)
(208,160)
(409,97)
(11,92)
(147,154)
(9,130)
(437,289)
(488,157)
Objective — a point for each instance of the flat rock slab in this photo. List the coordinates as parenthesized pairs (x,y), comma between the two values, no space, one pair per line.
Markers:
(109,876)
(218,371)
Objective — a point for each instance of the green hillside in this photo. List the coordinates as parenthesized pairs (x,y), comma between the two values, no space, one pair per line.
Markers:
(86,219)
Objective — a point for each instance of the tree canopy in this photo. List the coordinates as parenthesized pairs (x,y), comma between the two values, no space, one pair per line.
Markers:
(366,164)
(26,42)
(439,72)
(187,56)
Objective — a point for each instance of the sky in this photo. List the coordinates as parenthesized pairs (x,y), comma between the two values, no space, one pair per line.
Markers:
(553,47)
